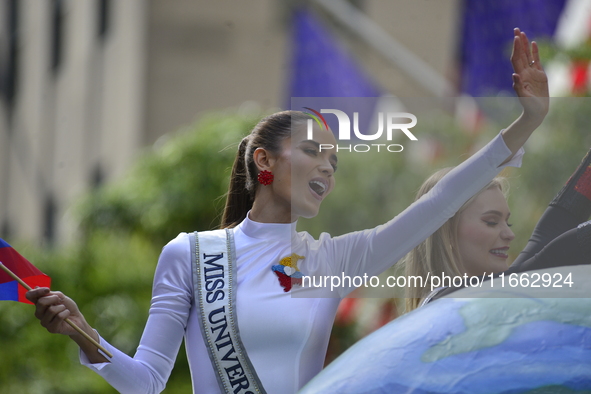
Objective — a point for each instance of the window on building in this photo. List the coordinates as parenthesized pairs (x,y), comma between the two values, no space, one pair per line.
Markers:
(9,52)
(57,33)
(104,9)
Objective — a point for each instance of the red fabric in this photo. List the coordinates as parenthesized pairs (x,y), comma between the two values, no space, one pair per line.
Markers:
(583,185)
(284,281)
(287,281)
(580,77)
(22,268)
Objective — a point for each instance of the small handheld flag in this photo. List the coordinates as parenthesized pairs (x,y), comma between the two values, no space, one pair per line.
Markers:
(24,276)
(10,289)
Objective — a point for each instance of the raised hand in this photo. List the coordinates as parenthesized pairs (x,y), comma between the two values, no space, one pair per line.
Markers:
(529,80)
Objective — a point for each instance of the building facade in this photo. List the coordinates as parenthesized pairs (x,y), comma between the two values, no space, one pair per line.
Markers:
(87,84)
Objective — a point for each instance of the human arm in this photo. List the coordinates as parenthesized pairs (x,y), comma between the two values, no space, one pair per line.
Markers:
(569,208)
(531,85)
(372,251)
(149,369)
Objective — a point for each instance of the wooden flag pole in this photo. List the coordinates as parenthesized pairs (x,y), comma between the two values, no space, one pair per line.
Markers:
(71,323)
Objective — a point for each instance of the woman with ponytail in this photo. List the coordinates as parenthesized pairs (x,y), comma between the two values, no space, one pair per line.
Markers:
(280,175)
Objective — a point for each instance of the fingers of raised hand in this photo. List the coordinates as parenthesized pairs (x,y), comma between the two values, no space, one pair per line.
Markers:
(536,55)
(526,47)
(518,86)
(518,57)
(524,55)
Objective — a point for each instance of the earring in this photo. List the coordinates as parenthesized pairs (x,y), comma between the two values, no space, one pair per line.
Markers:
(265,177)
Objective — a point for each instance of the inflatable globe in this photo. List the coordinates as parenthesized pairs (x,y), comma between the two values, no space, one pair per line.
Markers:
(484,340)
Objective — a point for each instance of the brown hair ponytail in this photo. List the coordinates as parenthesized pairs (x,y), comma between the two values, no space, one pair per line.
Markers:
(239,199)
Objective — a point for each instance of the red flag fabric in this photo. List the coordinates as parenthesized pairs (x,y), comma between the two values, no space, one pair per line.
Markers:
(10,289)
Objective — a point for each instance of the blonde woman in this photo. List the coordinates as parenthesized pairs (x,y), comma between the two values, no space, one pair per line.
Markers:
(476,240)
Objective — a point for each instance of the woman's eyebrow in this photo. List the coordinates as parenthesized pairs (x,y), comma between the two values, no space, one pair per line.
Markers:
(317,145)
(495,212)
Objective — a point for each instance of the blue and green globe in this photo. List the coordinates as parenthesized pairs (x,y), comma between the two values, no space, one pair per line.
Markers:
(485,340)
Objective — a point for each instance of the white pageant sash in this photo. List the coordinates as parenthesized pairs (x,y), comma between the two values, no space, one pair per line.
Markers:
(214,289)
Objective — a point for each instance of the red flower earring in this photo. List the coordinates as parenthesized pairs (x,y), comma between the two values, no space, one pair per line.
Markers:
(265,177)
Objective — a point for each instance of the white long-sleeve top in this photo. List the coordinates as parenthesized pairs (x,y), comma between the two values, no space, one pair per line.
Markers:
(285,336)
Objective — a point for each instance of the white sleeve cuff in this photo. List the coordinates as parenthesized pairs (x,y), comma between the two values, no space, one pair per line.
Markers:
(97,366)
(499,146)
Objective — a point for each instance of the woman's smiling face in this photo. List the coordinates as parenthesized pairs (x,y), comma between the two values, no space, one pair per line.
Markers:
(304,171)
(484,234)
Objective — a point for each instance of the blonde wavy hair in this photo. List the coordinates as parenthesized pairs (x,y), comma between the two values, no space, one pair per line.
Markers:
(439,253)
